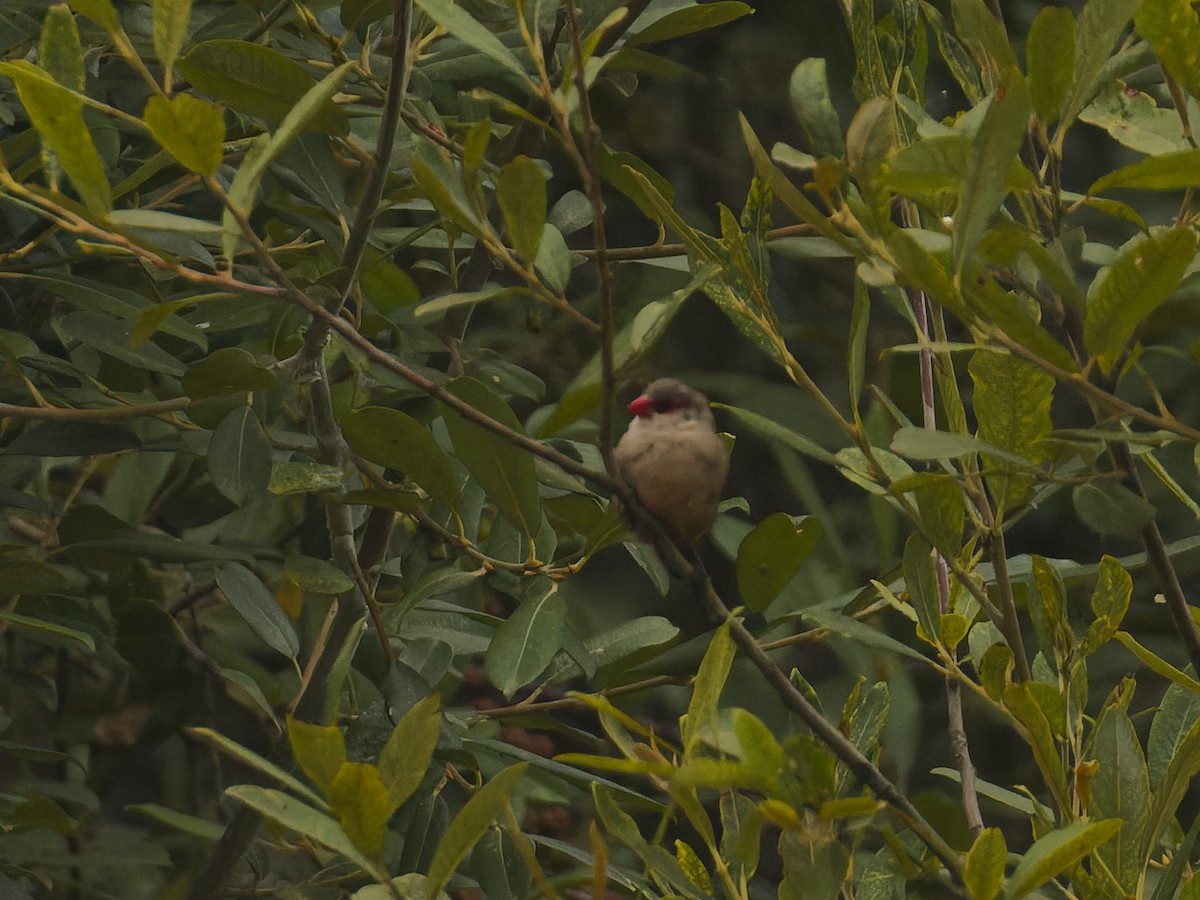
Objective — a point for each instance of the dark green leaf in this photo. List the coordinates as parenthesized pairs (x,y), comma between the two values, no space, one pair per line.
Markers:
(690,19)
(770,556)
(809,93)
(1108,507)
(1101,24)
(396,440)
(258,607)
(1120,789)
(526,642)
(1168,172)
(506,474)
(257,80)
(229,370)
(239,456)
(521,193)
(458,22)
(1050,60)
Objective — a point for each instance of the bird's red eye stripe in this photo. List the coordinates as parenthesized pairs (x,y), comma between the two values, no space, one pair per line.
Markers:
(642,406)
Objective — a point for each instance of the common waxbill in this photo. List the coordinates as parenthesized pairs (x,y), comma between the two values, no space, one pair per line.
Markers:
(672,460)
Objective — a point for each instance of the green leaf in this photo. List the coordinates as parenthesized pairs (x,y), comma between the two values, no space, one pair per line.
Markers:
(1056,852)
(921,585)
(191,130)
(1157,664)
(1012,406)
(360,802)
(1050,60)
(858,632)
(1185,763)
(1173,29)
(317,576)
(305,820)
(406,756)
(526,642)
(192,825)
(469,825)
(57,115)
(1120,789)
(1022,700)
(239,456)
(59,51)
(1110,601)
(808,90)
(320,750)
(940,503)
(983,36)
(44,626)
(916,443)
(1177,713)
(259,81)
(770,556)
(1133,118)
(1144,273)
(459,24)
(1108,507)
(252,760)
(257,606)
(170,28)
(996,146)
(1101,24)
(506,474)
(229,370)
(688,20)
(623,827)
(983,873)
(1165,172)
(521,193)
(396,440)
(102,12)
(772,431)
(701,719)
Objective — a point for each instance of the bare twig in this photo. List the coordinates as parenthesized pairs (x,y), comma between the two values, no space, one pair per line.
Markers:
(102,414)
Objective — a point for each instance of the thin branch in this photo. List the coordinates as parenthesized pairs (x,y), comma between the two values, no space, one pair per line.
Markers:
(590,173)
(102,414)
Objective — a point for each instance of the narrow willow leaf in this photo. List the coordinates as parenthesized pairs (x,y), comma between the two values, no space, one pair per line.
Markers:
(1184,764)
(1101,24)
(60,51)
(259,81)
(1022,701)
(1177,713)
(983,36)
(57,115)
(311,823)
(770,556)
(102,12)
(1173,29)
(778,434)
(54,629)
(710,679)
(1050,60)
(507,474)
(459,23)
(170,28)
(622,826)
(1108,507)
(921,585)
(1144,273)
(320,750)
(1120,789)
(688,20)
(396,440)
(983,873)
(190,129)
(858,632)
(521,193)
(1056,852)
(527,641)
(808,90)
(1166,172)
(239,456)
(406,756)
(259,608)
(996,145)
(469,825)
(1157,664)
(252,760)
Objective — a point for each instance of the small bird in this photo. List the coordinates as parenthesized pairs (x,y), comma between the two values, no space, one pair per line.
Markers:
(672,460)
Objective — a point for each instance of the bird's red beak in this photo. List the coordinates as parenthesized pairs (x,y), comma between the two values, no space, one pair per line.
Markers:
(642,406)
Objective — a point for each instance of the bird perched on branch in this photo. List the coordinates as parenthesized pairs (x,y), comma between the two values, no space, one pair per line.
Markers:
(672,461)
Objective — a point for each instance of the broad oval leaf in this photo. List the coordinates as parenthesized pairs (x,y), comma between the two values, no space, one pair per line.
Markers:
(396,440)
(320,750)
(1056,852)
(527,641)
(359,800)
(983,873)
(229,370)
(770,556)
(170,29)
(1173,29)
(60,51)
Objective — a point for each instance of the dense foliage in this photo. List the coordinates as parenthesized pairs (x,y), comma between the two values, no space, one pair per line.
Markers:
(315,318)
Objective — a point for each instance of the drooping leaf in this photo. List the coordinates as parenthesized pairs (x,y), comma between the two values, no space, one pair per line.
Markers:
(259,608)
(239,456)
(809,93)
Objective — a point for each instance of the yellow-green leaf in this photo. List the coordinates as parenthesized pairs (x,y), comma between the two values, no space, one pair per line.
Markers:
(190,129)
